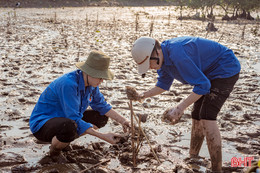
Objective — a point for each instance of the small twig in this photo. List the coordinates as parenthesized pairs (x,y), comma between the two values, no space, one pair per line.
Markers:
(136,21)
(207,34)
(139,142)
(132,131)
(155,155)
(100,163)
(243,32)
(220,37)
(138,147)
(87,20)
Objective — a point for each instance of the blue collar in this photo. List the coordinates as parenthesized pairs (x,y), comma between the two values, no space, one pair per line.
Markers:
(81,81)
(166,59)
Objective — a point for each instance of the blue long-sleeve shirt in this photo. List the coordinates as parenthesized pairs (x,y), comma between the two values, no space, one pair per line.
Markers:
(195,61)
(67,97)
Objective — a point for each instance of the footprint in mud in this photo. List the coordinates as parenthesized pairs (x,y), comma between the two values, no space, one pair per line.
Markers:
(13,114)
(120,77)
(196,162)
(245,150)
(10,159)
(226,126)
(228,169)
(238,139)
(5,127)
(75,158)
(236,108)
(251,116)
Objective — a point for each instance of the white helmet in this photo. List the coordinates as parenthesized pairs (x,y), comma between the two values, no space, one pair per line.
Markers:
(141,52)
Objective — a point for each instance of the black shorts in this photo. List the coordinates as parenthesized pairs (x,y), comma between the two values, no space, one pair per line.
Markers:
(208,106)
(65,129)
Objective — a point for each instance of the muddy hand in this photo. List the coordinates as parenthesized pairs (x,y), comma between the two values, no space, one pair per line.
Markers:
(166,117)
(173,115)
(126,126)
(112,138)
(118,138)
(132,94)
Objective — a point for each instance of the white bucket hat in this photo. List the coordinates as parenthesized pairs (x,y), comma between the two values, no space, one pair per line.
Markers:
(141,52)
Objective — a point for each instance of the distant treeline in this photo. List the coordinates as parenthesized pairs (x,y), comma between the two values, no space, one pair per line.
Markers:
(233,8)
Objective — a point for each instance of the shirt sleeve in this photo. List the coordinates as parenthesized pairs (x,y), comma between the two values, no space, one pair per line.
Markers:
(192,74)
(70,103)
(164,80)
(98,102)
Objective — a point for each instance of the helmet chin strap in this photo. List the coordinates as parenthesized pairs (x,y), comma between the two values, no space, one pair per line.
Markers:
(152,58)
(155,58)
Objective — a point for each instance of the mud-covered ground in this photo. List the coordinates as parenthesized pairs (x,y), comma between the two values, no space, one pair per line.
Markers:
(39,45)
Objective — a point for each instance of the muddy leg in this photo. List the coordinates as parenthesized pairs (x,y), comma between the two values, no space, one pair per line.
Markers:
(213,137)
(55,150)
(197,137)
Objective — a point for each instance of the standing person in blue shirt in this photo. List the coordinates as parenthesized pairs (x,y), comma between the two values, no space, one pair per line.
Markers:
(209,66)
(60,115)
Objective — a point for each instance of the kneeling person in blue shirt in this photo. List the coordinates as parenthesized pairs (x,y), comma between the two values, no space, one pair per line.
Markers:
(209,66)
(60,114)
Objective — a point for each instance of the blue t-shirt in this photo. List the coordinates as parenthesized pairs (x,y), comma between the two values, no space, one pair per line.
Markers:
(195,61)
(67,97)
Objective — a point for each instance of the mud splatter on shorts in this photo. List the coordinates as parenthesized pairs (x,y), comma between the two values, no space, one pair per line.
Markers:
(208,106)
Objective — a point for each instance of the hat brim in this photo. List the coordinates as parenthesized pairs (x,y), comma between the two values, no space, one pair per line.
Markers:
(104,74)
(144,67)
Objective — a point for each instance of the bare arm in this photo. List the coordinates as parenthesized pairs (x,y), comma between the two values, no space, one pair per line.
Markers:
(112,138)
(115,116)
(152,92)
(193,97)
(175,113)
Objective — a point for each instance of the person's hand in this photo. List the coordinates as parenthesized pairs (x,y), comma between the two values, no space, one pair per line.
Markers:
(132,94)
(126,126)
(173,115)
(112,138)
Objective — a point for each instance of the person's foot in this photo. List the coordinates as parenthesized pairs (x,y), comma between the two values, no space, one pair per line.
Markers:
(47,159)
(59,158)
(67,148)
(56,155)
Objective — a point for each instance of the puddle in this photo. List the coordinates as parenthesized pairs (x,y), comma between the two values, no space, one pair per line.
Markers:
(257,67)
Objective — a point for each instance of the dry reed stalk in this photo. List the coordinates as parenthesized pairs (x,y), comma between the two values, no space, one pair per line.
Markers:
(220,37)
(243,32)
(155,155)
(133,133)
(86,20)
(169,18)
(136,21)
(97,20)
(114,22)
(151,27)
(139,142)
(140,128)
(87,169)
(55,17)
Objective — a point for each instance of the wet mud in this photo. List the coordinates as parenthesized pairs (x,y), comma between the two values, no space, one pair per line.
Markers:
(39,45)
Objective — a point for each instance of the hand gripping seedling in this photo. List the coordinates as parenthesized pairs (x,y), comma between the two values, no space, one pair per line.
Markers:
(133,95)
